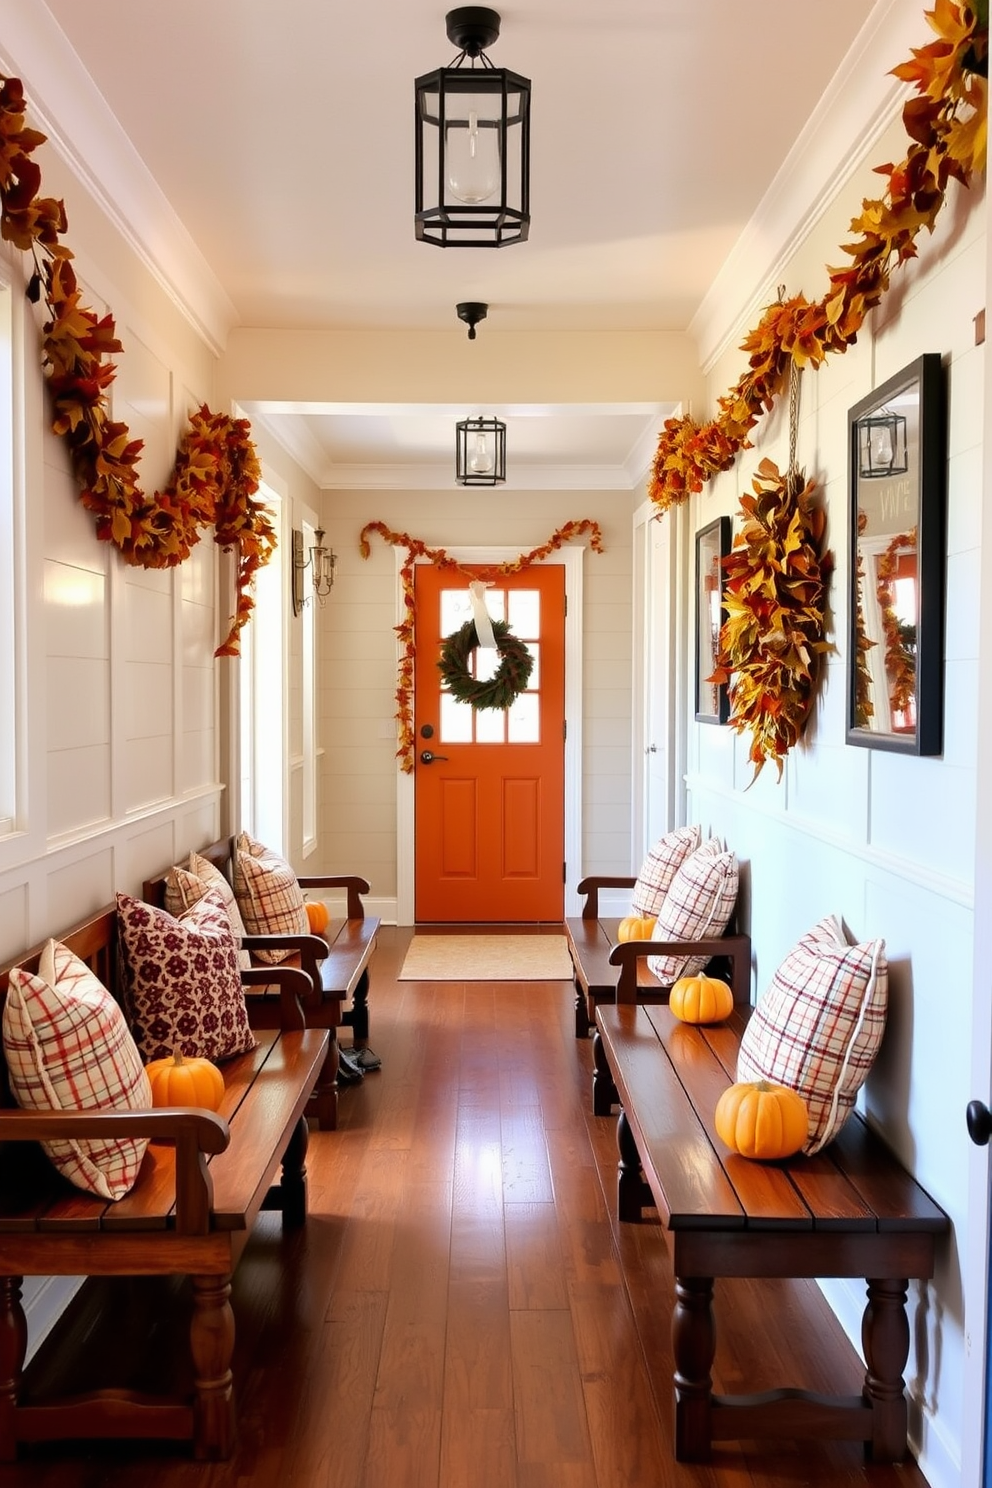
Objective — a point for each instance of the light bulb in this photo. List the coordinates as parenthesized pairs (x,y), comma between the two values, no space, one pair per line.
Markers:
(471,159)
(481,462)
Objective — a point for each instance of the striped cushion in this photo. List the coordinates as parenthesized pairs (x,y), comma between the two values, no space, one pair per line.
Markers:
(660,867)
(819,1025)
(185,887)
(699,903)
(68,1049)
(181,980)
(268,894)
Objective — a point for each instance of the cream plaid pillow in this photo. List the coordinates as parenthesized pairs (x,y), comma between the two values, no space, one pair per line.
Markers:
(819,1025)
(68,1048)
(185,887)
(699,904)
(660,866)
(269,895)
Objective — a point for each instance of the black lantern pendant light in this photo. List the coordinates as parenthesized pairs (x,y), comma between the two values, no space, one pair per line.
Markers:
(480,452)
(473,143)
(882,440)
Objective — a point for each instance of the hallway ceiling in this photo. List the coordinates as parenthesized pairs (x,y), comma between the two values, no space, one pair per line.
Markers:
(281,135)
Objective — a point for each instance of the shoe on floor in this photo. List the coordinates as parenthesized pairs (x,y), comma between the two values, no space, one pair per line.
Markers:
(350,1071)
(366,1059)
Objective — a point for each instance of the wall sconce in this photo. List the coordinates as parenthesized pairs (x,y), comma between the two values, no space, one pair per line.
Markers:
(321,563)
(473,143)
(480,452)
(882,446)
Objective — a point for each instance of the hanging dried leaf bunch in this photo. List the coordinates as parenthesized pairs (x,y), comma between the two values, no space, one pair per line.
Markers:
(774,597)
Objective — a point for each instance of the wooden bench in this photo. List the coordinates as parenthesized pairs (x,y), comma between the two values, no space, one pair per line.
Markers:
(337,963)
(200,1188)
(850,1211)
(592,945)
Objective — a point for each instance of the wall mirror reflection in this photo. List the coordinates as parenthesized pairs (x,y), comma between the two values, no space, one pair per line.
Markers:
(897,561)
(712,546)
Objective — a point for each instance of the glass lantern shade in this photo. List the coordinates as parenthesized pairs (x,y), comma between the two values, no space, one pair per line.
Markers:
(883,448)
(480,452)
(472,157)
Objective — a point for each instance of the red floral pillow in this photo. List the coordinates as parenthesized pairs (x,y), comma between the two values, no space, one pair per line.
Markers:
(181,980)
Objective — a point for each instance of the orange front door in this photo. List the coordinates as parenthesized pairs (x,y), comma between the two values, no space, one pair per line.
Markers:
(490,805)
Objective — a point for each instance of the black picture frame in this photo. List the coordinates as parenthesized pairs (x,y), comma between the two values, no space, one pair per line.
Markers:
(712,546)
(897,447)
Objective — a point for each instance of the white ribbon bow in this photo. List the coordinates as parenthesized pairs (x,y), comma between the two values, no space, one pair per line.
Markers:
(483,623)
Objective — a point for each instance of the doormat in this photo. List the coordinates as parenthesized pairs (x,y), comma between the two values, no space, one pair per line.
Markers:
(487,958)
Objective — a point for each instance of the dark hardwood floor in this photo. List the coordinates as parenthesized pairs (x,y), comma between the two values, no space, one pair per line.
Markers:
(462,1308)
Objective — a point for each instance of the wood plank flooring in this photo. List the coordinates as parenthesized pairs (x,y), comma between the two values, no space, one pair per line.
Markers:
(462,1308)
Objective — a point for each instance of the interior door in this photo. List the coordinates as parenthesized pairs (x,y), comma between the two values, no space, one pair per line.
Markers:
(489,785)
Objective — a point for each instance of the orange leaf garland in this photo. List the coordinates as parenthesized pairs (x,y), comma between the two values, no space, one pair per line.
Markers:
(947,128)
(405,631)
(216,474)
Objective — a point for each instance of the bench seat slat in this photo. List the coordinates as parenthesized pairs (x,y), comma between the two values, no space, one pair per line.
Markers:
(348,956)
(764,1190)
(894,1195)
(675,1151)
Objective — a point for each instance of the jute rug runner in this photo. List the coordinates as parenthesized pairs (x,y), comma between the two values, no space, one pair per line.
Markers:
(487,958)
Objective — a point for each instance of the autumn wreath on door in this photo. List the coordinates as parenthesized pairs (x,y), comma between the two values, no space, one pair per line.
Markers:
(513,673)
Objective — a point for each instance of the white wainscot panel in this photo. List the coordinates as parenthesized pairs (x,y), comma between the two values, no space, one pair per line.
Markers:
(923,810)
(715,749)
(961,714)
(199,762)
(964,500)
(79,889)
(963,589)
(70,530)
(78,702)
(148,623)
(199,573)
(199,628)
(148,777)
(142,399)
(78,788)
(829,788)
(75,611)
(966,395)
(14,928)
(148,690)
(147,854)
(199,697)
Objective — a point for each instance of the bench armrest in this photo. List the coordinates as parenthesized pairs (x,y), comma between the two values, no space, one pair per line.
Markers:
(297,990)
(591,887)
(355,886)
(736,948)
(193,1132)
(311,950)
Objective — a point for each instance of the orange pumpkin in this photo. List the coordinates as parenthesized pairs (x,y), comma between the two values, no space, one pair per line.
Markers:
(762,1120)
(317,915)
(185,1082)
(701,999)
(634,927)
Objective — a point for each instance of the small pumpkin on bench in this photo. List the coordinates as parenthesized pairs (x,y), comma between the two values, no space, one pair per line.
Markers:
(760,1120)
(185,1082)
(701,999)
(636,927)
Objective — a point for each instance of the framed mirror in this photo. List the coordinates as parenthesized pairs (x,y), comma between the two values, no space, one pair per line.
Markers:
(897,452)
(712,546)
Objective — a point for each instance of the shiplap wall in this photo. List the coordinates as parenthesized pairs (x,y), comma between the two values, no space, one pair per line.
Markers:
(885,840)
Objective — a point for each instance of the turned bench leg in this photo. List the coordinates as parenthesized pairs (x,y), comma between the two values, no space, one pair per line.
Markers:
(582,1023)
(632,1191)
(694,1345)
(357,1016)
(13,1347)
(604,1092)
(324,1102)
(294,1178)
(211,1337)
(885,1340)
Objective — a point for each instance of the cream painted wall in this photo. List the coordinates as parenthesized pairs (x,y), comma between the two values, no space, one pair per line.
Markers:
(359,655)
(885,840)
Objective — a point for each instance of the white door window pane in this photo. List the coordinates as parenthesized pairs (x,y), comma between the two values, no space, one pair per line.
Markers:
(456,721)
(525,613)
(524,720)
(489,726)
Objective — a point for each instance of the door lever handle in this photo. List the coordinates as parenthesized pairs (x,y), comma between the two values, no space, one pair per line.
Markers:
(427,758)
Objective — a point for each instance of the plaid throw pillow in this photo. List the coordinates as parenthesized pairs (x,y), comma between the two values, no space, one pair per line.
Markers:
(659,868)
(699,903)
(819,1025)
(68,1049)
(268,894)
(181,980)
(185,887)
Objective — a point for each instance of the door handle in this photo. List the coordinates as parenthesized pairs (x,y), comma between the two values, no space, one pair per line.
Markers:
(979,1123)
(426,758)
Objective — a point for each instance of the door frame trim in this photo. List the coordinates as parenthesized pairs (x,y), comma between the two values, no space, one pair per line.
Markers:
(572,560)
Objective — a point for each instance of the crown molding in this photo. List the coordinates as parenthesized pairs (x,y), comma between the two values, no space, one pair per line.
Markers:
(442,478)
(859,104)
(65,103)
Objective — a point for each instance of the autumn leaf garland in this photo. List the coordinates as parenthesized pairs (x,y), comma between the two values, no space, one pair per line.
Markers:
(947,127)
(216,474)
(774,598)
